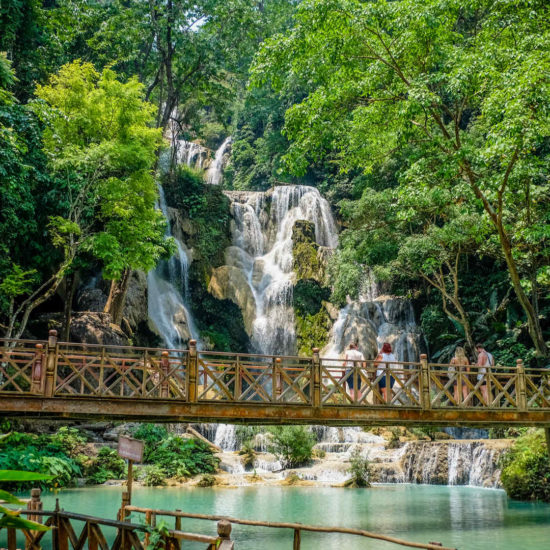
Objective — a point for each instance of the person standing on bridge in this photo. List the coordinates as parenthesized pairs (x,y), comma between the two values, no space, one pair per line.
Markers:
(354,358)
(459,362)
(384,363)
(484,362)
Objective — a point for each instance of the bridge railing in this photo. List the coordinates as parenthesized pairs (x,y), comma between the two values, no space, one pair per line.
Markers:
(60,369)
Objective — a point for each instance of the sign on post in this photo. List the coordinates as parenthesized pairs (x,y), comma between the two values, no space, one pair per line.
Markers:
(130,448)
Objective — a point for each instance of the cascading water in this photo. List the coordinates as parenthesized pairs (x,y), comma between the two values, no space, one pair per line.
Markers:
(262,233)
(168,292)
(214,174)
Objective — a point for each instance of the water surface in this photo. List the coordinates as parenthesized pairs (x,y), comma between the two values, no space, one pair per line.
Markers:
(459,517)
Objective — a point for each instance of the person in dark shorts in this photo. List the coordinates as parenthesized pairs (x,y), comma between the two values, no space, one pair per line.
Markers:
(385,359)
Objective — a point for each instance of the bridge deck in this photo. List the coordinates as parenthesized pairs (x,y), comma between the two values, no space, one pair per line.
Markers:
(68,380)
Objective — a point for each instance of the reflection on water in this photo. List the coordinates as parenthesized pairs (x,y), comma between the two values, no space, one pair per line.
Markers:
(461,517)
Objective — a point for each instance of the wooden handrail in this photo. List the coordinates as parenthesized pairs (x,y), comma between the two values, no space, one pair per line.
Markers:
(288,525)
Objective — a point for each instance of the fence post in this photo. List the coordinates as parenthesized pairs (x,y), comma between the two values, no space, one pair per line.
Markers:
(224,534)
(276,380)
(316,378)
(35,504)
(521,386)
(192,372)
(297,537)
(165,369)
(37,371)
(425,382)
(122,513)
(51,364)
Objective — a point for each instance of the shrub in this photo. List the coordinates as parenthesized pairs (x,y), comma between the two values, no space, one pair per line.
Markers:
(107,465)
(360,470)
(293,445)
(184,456)
(207,480)
(70,440)
(152,475)
(151,435)
(249,455)
(37,454)
(525,471)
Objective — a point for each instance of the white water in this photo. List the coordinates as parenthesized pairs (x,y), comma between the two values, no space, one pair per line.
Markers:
(262,237)
(214,174)
(168,293)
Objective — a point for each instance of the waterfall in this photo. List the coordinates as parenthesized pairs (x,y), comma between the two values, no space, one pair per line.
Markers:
(214,173)
(262,239)
(168,292)
(190,153)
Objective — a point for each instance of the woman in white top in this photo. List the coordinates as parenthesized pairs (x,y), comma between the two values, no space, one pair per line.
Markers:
(385,359)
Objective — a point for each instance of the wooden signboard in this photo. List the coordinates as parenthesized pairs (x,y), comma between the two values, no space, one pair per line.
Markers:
(130,448)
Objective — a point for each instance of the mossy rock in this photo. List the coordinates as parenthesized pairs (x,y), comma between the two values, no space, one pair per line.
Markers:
(305,250)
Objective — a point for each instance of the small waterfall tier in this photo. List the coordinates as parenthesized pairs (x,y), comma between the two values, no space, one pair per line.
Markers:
(262,254)
(214,174)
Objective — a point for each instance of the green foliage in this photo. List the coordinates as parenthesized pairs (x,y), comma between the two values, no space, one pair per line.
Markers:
(293,445)
(248,455)
(107,465)
(455,97)
(182,457)
(360,470)
(71,440)
(206,480)
(152,475)
(152,435)
(525,471)
(99,134)
(38,454)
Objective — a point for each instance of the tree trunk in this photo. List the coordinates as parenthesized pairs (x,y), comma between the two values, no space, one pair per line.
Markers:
(533,323)
(70,290)
(117,297)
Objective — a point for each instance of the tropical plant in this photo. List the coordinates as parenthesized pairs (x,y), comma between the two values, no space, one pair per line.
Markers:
(293,445)
(360,470)
(11,518)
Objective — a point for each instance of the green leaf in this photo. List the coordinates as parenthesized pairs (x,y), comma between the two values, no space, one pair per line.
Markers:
(9,498)
(17,475)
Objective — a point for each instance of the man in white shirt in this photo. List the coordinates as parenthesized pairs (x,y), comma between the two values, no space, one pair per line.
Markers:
(353,358)
(484,361)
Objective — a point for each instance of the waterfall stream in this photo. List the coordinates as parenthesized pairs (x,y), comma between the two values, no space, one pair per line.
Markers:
(168,293)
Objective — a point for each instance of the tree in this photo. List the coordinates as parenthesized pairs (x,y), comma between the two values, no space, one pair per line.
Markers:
(100,142)
(461,85)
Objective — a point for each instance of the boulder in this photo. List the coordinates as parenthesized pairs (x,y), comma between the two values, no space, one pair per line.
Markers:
(237,257)
(96,328)
(229,282)
(91,299)
(135,308)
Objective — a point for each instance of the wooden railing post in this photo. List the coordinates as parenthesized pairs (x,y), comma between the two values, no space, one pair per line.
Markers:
(12,539)
(276,380)
(122,513)
(297,537)
(192,372)
(35,504)
(37,370)
(51,364)
(316,379)
(521,386)
(165,369)
(424,379)
(224,535)
(238,380)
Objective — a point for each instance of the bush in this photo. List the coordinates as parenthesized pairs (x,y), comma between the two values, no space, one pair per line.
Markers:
(360,470)
(207,480)
(182,457)
(107,465)
(525,471)
(152,475)
(151,435)
(34,453)
(70,440)
(293,445)
(249,455)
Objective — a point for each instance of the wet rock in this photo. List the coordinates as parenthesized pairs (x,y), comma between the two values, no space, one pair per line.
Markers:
(229,282)
(91,299)
(96,328)
(135,308)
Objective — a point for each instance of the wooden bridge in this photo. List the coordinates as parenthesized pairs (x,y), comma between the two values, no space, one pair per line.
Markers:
(68,380)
